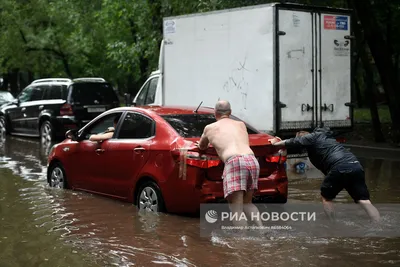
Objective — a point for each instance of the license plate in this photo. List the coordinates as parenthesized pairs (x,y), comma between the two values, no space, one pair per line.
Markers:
(93,110)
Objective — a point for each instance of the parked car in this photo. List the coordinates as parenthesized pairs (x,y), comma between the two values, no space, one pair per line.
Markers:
(152,161)
(5,97)
(47,108)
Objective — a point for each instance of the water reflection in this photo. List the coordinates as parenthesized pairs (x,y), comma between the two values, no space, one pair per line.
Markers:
(114,233)
(25,157)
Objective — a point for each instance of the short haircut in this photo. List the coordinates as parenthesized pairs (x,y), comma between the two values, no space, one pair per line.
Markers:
(223,108)
(302,133)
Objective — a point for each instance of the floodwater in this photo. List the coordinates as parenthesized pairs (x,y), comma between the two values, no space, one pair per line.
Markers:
(40,226)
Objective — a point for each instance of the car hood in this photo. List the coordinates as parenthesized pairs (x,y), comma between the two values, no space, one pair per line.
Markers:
(7,105)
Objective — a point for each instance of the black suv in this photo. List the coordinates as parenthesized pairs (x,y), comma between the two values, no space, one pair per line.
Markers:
(47,108)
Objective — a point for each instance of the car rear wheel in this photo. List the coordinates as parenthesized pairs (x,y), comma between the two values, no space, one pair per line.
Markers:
(3,127)
(46,133)
(57,177)
(149,197)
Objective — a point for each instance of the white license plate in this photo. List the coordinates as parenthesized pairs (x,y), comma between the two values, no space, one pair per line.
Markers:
(93,110)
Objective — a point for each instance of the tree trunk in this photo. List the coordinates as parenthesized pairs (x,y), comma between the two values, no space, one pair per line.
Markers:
(13,81)
(67,68)
(357,92)
(396,65)
(370,88)
(383,61)
(370,95)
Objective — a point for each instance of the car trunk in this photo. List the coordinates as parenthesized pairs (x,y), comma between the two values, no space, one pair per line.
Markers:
(91,99)
(267,155)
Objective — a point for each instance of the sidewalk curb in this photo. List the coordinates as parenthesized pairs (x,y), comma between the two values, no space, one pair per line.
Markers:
(373,147)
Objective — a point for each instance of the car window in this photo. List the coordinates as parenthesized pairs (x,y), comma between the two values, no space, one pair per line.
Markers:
(151,95)
(140,100)
(136,126)
(192,125)
(101,125)
(93,93)
(25,95)
(37,92)
(56,91)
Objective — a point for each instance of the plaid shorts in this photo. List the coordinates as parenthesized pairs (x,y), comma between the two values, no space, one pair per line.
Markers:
(240,173)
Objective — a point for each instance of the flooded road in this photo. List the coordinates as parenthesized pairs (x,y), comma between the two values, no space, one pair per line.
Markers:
(40,226)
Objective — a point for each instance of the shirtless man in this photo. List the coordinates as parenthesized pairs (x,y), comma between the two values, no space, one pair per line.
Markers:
(107,134)
(231,141)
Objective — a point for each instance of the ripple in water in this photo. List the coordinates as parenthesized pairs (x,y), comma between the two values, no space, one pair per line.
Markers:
(115,234)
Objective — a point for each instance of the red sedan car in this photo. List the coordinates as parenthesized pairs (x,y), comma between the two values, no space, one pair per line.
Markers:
(152,160)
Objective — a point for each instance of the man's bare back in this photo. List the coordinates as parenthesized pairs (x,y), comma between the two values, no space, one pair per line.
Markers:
(241,171)
(229,138)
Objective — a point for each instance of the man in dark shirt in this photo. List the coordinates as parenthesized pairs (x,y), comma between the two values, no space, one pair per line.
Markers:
(340,167)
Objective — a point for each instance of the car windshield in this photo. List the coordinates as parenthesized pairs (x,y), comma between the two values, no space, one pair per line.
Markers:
(192,125)
(6,97)
(93,93)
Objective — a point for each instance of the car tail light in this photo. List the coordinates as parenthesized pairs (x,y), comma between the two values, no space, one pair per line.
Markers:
(341,140)
(66,109)
(201,161)
(279,157)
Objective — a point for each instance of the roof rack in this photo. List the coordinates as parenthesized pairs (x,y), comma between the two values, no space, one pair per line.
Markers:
(87,79)
(60,80)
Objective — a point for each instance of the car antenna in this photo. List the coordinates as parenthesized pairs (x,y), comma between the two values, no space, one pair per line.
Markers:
(198,107)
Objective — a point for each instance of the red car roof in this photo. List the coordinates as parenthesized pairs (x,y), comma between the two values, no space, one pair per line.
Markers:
(167,110)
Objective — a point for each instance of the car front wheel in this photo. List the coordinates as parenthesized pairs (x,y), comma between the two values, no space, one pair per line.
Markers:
(149,197)
(57,177)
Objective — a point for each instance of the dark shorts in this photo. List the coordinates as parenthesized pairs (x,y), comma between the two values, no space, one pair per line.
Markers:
(349,176)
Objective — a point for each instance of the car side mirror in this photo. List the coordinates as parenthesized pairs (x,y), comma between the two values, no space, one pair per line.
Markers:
(72,134)
(15,102)
(134,104)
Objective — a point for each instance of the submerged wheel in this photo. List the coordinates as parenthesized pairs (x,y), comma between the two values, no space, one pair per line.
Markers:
(149,197)
(46,133)
(3,127)
(57,177)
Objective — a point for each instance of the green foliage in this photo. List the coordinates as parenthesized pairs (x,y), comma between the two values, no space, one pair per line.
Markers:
(364,115)
(115,39)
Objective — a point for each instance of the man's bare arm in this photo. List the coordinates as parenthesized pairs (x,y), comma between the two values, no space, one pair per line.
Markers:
(100,137)
(203,143)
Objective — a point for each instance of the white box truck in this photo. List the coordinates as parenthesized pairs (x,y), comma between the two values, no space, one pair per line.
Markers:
(283,67)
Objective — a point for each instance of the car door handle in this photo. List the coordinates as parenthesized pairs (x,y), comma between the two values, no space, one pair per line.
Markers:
(23,109)
(40,107)
(99,150)
(138,149)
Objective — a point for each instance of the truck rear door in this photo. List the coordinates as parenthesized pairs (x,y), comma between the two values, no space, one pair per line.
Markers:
(295,72)
(335,90)
(314,69)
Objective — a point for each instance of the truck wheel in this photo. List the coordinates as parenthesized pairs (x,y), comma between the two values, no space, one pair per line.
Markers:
(149,197)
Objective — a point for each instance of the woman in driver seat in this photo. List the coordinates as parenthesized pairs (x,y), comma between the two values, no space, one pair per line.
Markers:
(107,134)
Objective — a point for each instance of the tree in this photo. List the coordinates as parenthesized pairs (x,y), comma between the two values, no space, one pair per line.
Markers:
(383,59)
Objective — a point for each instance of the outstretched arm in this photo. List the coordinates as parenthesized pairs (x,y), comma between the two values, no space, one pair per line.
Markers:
(100,137)
(305,140)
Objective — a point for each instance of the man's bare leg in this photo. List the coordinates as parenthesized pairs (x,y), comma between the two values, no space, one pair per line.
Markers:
(249,208)
(236,206)
(372,212)
(329,208)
